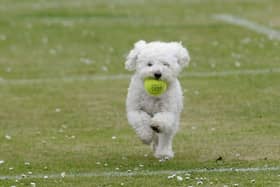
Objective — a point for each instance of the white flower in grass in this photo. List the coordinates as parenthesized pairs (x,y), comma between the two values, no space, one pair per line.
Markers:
(237,64)
(85,60)
(27,163)
(114,137)
(57,110)
(44,141)
(33,184)
(194,128)
(199,182)
(237,154)
(213,65)
(104,68)
(213,129)
(2,162)
(62,174)
(73,137)
(179,178)
(171,176)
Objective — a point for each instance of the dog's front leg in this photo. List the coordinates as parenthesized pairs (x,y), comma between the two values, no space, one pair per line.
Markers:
(165,125)
(141,121)
(164,122)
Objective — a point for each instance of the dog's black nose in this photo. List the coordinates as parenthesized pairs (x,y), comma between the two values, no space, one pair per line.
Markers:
(157,75)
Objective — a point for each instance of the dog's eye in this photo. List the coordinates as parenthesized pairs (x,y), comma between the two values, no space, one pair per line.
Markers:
(166,64)
(149,64)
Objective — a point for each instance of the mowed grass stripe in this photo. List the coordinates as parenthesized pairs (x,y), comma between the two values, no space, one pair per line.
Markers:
(140,173)
(126,76)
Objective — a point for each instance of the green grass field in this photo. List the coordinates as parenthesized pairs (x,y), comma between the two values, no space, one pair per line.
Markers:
(51,121)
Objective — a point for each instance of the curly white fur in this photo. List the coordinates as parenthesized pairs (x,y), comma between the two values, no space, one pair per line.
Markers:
(156,118)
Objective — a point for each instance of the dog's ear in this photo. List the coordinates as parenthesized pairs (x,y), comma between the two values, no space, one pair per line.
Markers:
(182,55)
(131,58)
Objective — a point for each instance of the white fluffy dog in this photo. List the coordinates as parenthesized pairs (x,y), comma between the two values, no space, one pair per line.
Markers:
(156,118)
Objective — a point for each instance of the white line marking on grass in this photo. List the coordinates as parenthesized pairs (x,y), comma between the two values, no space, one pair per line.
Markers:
(140,173)
(232,72)
(127,76)
(271,33)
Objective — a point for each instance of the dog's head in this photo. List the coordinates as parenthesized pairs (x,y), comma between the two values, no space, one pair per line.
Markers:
(158,60)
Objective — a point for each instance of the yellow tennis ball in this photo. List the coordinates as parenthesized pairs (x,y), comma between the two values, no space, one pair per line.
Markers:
(155,87)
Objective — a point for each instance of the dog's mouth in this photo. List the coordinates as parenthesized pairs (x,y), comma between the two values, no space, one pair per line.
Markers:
(165,79)
(155,78)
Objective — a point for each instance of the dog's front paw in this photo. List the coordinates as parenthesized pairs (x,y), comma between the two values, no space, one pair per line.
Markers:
(164,154)
(157,125)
